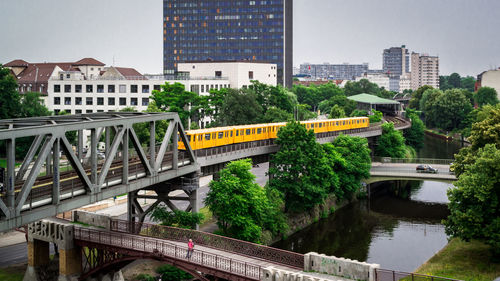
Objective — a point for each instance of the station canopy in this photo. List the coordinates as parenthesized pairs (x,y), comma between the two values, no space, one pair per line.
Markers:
(371,99)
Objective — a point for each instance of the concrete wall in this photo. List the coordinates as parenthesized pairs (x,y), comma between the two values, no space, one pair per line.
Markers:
(341,267)
(491,79)
(93,219)
(274,274)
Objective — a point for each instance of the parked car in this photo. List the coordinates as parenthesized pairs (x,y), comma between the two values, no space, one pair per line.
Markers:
(426,169)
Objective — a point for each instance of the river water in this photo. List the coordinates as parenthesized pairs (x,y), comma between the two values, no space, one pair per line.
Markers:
(399,227)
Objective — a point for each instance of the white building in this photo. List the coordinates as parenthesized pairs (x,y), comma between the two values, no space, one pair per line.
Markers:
(381,79)
(424,71)
(404,82)
(490,78)
(239,73)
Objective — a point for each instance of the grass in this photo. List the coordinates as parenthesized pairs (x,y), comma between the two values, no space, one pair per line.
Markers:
(12,273)
(462,260)
(3,164)
(208,217)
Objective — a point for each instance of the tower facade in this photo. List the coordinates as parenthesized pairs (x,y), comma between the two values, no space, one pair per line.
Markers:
(225,30)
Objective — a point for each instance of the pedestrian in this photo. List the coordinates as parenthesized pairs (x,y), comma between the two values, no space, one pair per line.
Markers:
(190,249)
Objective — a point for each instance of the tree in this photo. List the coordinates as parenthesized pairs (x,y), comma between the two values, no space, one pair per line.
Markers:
(427,105)
(337,112)
(417,96)
(356,163)
(239,108)
(391,143)
(415,134)
(443,83)
(274,115)
(376,116)
(475,202)
(455,81)
(32,105)
(451,109)
(240,205)
(468,83)
(176,218)
(10,101)
(273,96)
(348,105)
(174,98)
(211,105)
(299,170)
(486,95)
(172,273)
(363,86)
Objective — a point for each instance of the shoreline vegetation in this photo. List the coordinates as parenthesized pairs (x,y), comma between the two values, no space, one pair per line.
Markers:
(462,260)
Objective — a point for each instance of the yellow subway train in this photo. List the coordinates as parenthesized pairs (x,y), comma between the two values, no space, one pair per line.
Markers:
(220,136)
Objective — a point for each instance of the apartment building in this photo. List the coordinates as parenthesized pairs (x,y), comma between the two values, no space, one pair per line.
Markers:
(424,70)
(343,71)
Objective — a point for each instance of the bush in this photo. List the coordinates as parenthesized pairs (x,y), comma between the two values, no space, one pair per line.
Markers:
(172,273)
(376,117)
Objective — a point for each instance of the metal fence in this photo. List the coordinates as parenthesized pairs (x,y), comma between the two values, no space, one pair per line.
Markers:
(413,160)
(391,275)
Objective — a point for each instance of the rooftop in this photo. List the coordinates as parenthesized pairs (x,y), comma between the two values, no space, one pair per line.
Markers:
(371,99)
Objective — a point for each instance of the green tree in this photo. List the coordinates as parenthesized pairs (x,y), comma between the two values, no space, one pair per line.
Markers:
(363,86)
(455,81)
(32,105)
(428,106)
(359,113)
(417,96)
(211,105)
(486,95)
(391,143)
(415,134)
(443,83)
(356,163)
(174,98)
(468,83)
(239,108)
(176,218)
(337,112)
(10,101)
(376,116)
(299,170)
(348,105)
(451,109)
(274,115)
(304,113)
(475,202)
(172,273)
(240,205)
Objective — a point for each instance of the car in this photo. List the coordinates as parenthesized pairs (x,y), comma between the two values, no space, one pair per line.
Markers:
(426,169)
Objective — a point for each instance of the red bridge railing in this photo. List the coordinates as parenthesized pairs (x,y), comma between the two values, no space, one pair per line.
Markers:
(162,249)
(214,241)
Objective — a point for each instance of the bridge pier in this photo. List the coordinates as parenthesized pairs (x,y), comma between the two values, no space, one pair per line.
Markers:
(40,234)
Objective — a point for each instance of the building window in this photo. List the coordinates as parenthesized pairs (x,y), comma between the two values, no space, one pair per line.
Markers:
(68,76)
(250,75)
(218,74)
(111,101)
(100,101)
(89,88)
(123,89)
(88,101)
(78,88)
(145,101)
(78,111)
(67,101)
(100,88)
(68,111)
(57,100)
(56,111)
(67,88)
(202,88)
(145,89)
(57,89)
(89,111)
(78,101)
(157,87)
(111,88)
(100,110)
(123,101)
(133,88)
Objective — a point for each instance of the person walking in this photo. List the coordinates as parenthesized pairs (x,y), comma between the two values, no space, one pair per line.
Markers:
(190,249)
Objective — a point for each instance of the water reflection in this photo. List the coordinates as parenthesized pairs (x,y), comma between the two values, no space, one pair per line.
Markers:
(399,228)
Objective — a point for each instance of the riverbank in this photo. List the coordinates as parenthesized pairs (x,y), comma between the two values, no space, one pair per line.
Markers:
(462,260)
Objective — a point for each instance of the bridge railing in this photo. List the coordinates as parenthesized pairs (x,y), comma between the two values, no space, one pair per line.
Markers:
(413,160)
(391,275)
(227,244)
(160,249)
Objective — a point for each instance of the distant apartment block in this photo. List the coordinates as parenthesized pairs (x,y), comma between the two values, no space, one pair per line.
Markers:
(490,78)
(334,71)
(223,30)
(381,79)
(396,61)
(424,70)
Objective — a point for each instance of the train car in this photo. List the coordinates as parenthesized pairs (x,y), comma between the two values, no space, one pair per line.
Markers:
(220,136)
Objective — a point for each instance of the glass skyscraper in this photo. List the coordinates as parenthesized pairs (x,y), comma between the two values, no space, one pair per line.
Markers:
(227,30)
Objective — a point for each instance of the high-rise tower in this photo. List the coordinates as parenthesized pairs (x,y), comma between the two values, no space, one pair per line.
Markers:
(226,30)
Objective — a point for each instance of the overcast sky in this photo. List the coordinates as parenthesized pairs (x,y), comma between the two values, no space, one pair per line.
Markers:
(465,34)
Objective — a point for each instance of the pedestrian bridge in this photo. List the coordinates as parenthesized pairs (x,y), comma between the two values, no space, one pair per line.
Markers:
(387,169)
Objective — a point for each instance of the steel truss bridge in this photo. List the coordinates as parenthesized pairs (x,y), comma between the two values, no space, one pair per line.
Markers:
(44,185)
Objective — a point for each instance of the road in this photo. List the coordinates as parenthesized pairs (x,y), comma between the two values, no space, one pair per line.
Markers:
(17,253)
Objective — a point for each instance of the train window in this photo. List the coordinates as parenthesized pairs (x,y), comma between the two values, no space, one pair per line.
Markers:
(232,133)
(189,137)
(248,132)
(312,126)
(237,132)
(259,131)
(358,121)
(221,134)
(320,125)
(207,136)
(343,122)
(337,123)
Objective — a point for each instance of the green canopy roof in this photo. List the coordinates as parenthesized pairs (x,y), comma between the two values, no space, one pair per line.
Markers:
(371,99)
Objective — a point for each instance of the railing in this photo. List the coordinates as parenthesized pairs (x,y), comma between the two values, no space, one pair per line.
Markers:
(145,77)
(413,161)
(161,248)
(213,241)
(391,275)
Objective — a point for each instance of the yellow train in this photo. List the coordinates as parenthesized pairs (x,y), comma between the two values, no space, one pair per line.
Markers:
(220,136)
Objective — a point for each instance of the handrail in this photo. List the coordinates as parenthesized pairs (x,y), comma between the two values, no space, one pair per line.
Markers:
(392,275)
(412,160)
(162,248)
(227,244)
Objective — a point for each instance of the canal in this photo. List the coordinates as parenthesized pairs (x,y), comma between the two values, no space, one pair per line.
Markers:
(399,227)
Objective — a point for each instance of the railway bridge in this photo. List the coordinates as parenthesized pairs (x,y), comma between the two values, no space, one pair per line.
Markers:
(43,185)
